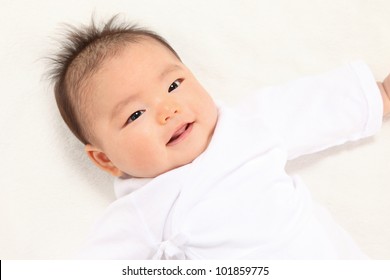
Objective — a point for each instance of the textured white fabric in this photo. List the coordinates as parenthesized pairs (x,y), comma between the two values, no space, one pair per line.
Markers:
(235,201)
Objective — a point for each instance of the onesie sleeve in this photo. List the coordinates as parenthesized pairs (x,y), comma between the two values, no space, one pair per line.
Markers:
(314,113)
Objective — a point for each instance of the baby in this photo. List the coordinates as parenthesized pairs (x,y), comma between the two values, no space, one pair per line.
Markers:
(201,181)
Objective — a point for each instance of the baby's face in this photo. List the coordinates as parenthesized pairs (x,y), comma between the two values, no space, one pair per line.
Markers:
(150,114)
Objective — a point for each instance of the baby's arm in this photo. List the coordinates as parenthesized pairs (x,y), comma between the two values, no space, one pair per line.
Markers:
(323,110)
(384,88)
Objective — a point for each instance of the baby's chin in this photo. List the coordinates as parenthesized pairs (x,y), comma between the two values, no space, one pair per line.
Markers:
(155,173)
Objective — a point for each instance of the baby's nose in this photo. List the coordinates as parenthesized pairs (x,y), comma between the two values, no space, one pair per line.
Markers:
(167,110)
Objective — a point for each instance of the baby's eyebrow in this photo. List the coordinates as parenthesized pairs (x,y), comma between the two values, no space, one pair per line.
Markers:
(121,104)
(169,69)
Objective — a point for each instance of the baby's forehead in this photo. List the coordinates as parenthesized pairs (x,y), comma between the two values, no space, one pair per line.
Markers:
(147,43)
(147,47)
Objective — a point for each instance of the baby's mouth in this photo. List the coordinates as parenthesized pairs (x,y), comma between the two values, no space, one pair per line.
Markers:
(180,134)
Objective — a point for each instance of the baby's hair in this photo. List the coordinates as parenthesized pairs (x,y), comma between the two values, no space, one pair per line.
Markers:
(84,49)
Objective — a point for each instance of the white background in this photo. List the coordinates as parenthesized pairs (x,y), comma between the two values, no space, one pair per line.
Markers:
(50,194)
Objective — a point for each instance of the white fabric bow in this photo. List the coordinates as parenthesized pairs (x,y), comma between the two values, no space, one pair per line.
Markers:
(171,249)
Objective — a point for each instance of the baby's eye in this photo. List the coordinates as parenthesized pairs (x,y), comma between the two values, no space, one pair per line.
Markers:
(135,116)
(174,85)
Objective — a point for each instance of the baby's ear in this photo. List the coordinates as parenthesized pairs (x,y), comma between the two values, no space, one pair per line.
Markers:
(100,159)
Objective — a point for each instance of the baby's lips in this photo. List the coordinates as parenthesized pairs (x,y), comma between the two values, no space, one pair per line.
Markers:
(180,130)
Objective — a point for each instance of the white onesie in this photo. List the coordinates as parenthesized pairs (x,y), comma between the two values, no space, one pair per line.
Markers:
(235,201)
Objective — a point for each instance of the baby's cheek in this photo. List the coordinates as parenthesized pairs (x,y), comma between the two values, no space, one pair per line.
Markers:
(144,157)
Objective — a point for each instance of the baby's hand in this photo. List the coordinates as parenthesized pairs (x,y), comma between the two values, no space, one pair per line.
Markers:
(384,88)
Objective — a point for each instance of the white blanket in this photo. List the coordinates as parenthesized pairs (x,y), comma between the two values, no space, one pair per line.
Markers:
(51,195)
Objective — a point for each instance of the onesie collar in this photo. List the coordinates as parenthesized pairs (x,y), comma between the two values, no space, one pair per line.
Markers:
(123,187)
